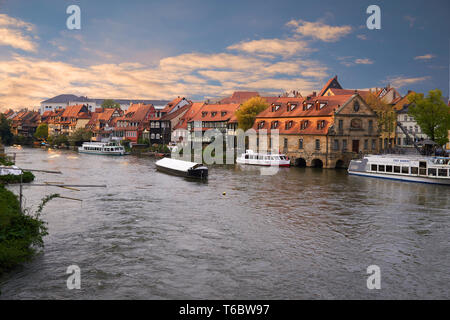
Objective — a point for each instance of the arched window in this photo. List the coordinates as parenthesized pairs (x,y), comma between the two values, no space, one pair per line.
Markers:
(152,136)
(157,136)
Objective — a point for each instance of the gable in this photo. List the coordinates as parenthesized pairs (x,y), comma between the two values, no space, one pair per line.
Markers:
(355,106)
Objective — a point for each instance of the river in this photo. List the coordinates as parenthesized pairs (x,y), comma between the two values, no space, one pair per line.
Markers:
(303,233)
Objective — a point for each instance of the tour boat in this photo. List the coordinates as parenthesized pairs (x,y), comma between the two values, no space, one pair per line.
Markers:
(434,170)
(263,159)
(13,170)
(182,168)
(103,148)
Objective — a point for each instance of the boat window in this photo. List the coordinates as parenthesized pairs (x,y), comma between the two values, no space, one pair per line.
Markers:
(266,158)
(246,156)
(396,169)
(432,172)
(373,167)
(443,173)
(422,164)
(381,168)
(423,172)
(414,170)
(388,168)
(405,170)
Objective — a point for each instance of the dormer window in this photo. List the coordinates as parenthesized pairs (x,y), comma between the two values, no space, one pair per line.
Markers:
(320,124)
(309,106)
(223,113)
(292,107)
(213,114)
(304,124)
(322,105)
(288,125)
(274,125)
(204,114)
(276,107)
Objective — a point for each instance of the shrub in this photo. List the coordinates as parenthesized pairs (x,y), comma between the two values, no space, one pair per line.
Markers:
(11,178)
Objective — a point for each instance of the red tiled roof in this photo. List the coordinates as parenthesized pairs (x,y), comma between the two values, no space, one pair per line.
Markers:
(215,112)
(172,104)
(190,113)
(176,113)
(327,86)
(73,111)
(239,97)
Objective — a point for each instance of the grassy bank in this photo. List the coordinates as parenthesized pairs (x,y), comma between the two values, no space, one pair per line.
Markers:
(21,235)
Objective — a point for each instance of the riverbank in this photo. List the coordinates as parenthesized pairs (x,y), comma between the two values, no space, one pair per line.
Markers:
(20,234)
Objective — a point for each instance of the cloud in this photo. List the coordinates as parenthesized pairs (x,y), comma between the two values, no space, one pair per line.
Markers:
(363,61)
(425,57)
(12,33)
(400,82)
(280,47)
(319,30)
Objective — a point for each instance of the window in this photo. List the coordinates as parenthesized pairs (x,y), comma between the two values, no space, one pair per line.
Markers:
(274,124)
(152,136)
(388,168)
(322,105)
(292,107)
(223,113)
(341,124)
(336,144)
(261,124)
(300,143)
(366,144)
(275,108)
(381,168)
(344,145)
(204,113)
(370,125)
(285,143)
(304,124)
(317,144)
(288,125)
(320,124)
(397,169)
(414,170)
(373,167)
(405,170)
(374,144)
(432,172)
(213,114)
(443,173)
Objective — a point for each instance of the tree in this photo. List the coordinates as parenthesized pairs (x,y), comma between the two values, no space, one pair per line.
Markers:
(247,113)
(41,132)
(58,139)
(6,135)
(386,114)
(110,103)
(432,114)
(79,136)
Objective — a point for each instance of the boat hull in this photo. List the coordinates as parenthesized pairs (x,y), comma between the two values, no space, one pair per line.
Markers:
(405,178)
(200,173)
(103,153)
(264,164)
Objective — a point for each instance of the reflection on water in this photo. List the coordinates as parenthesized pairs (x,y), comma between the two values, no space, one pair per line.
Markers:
(303,233)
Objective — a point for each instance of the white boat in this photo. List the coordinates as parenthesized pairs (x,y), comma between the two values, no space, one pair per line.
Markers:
(103,148)
(182,168)
(263,159)
(13,170)
(434,170)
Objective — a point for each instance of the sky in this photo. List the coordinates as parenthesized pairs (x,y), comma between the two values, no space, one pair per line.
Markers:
(204,49)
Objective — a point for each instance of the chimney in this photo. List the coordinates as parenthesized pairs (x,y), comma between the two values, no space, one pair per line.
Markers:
(314,93)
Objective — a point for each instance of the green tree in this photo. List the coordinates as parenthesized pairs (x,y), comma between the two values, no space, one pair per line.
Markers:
(79,136)
(432,114)
(41,132)
(58,139)
(6,135)
(110,103)
(247,113)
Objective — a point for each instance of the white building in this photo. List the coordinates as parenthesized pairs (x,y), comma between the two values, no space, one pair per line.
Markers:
(410,124)
(64,100)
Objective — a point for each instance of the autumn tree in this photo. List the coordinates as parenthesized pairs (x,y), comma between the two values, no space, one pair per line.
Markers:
(432,114)
(386,114)
(41,132)
(110,103)
(247,113)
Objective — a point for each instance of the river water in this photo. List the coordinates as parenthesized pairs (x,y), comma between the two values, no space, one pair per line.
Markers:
(301,234)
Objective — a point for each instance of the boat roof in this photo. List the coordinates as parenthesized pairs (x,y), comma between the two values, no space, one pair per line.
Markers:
(176,164)
(403,156)
(264,154)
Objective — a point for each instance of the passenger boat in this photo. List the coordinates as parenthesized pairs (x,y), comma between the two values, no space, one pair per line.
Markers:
(103,148)
(182,168)
(263,159)
(434,170)
(10,170)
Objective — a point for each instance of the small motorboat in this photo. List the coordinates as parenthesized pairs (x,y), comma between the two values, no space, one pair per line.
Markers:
(263,159)
(182,168)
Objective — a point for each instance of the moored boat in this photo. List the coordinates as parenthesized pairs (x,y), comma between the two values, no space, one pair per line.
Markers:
(263,159)
(182,168)
(433,170)
(102,148)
